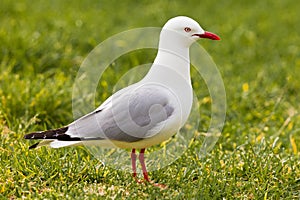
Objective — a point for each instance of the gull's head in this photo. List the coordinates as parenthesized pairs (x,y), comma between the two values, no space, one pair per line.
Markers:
(186,30)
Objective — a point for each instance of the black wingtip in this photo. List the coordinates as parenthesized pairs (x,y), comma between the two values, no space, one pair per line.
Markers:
(28,136)
(34,146)
(49,134)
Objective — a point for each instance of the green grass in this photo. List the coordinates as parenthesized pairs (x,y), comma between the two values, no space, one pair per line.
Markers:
(257,156)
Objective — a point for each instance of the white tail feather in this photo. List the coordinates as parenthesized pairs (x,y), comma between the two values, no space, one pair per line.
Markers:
(59,144)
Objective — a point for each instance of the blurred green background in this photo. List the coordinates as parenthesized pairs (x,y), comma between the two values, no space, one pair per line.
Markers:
(43,43)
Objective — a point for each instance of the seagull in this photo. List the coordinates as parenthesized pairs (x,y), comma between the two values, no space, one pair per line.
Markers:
(145,113)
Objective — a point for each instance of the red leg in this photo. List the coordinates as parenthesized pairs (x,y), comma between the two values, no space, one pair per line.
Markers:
(133,162)
(145,173)
(142,161)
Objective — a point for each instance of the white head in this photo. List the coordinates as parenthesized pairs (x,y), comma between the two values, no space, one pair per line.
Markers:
(186,30)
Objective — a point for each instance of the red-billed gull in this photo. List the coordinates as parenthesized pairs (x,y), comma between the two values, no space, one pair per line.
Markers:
(145,113)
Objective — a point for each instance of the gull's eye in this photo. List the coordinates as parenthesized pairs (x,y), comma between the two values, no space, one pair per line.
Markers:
(187,29)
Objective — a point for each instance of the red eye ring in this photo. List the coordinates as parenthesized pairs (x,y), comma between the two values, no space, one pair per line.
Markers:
(187,29)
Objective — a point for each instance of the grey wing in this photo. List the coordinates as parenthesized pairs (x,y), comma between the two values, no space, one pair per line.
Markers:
(129,116)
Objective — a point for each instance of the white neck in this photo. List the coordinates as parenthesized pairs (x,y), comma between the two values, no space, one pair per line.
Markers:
(177,61)
(174,55)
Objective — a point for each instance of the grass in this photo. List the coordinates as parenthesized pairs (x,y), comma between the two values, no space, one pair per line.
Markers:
(257,156)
